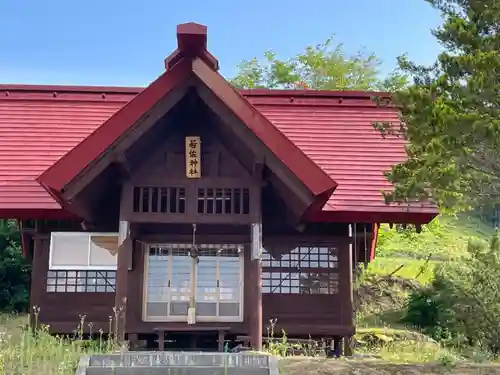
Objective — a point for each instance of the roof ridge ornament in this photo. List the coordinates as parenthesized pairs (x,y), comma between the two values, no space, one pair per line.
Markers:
(191,44)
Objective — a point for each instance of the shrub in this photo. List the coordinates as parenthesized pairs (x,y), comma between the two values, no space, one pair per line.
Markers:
(14,270)
(462,301)
(427,311)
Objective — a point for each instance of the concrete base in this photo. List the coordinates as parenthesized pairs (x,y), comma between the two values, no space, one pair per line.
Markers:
(178,363)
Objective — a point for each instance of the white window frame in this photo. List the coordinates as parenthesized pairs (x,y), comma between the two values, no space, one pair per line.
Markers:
(87,267)
(183,318)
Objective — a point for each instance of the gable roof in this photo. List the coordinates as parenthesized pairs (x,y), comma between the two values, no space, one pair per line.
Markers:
(40,124)
(190,60)
(50,135)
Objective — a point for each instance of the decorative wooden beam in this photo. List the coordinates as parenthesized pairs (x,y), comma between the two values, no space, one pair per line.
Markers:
(258,168)
(79,210)
(124,165)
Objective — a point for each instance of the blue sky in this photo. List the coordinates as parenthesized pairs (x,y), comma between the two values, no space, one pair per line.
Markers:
(124,42)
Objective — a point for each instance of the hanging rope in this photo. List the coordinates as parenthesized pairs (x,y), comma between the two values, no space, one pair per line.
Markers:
(194,246)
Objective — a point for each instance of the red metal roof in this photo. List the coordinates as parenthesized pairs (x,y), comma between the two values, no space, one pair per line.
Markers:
(191,59)
(40,124)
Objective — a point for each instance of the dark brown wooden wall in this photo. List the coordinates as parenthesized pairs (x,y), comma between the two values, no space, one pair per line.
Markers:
(164,167)
(313,314)
(64,311)
(298,315)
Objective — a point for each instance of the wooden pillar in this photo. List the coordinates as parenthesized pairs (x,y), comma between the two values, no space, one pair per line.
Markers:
(161,340)
(256,287)
(38,278)
(349,273)
(133,340)
(220,340)
(124,262)
(337,346)
(348,346)
(193,342)
(255,257)
(256,305)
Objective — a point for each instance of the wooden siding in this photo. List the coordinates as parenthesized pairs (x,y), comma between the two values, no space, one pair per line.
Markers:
(64,311)
(158,190)
(299,315)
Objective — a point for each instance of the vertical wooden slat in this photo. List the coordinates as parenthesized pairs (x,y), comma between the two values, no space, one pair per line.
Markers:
(168,193)
(205,196)
(141,199)
(241,201)
(158,200)
(177,199)
(224,191)
(164,192)
(150,201)
(233,198)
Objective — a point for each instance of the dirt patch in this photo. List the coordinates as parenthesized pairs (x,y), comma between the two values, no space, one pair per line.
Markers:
(383,293)
(310,366)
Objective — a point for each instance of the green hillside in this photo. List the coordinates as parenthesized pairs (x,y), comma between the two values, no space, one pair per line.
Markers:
(415,254)
(405,260)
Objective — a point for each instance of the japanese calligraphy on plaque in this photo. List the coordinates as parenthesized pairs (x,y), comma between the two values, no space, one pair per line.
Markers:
(193,157)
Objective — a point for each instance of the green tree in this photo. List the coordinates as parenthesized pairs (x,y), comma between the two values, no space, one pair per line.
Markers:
(322,67)
(451,112)
(14,270)
(462,301)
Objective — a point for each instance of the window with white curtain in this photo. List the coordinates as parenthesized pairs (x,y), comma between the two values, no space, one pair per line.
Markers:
(83,251)
(82,262)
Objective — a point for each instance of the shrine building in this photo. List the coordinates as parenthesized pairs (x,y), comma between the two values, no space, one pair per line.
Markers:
(192,213)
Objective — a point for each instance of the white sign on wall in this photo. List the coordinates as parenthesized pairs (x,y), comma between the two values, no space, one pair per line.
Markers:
(256,241)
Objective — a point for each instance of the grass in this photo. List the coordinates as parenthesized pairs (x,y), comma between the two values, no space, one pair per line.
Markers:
(420,270)
(445,238)
(301,366)
(22,352)
(26,353)
(390,345)
(413,256)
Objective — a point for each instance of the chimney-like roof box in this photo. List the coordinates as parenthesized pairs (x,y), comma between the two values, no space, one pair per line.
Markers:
(191,44)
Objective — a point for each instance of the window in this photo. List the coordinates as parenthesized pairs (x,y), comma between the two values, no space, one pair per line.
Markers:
(170,200)
(303,257)
(81,281)
(224,201)
(80,251)
(216,283)
(299,283)
(305,270)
